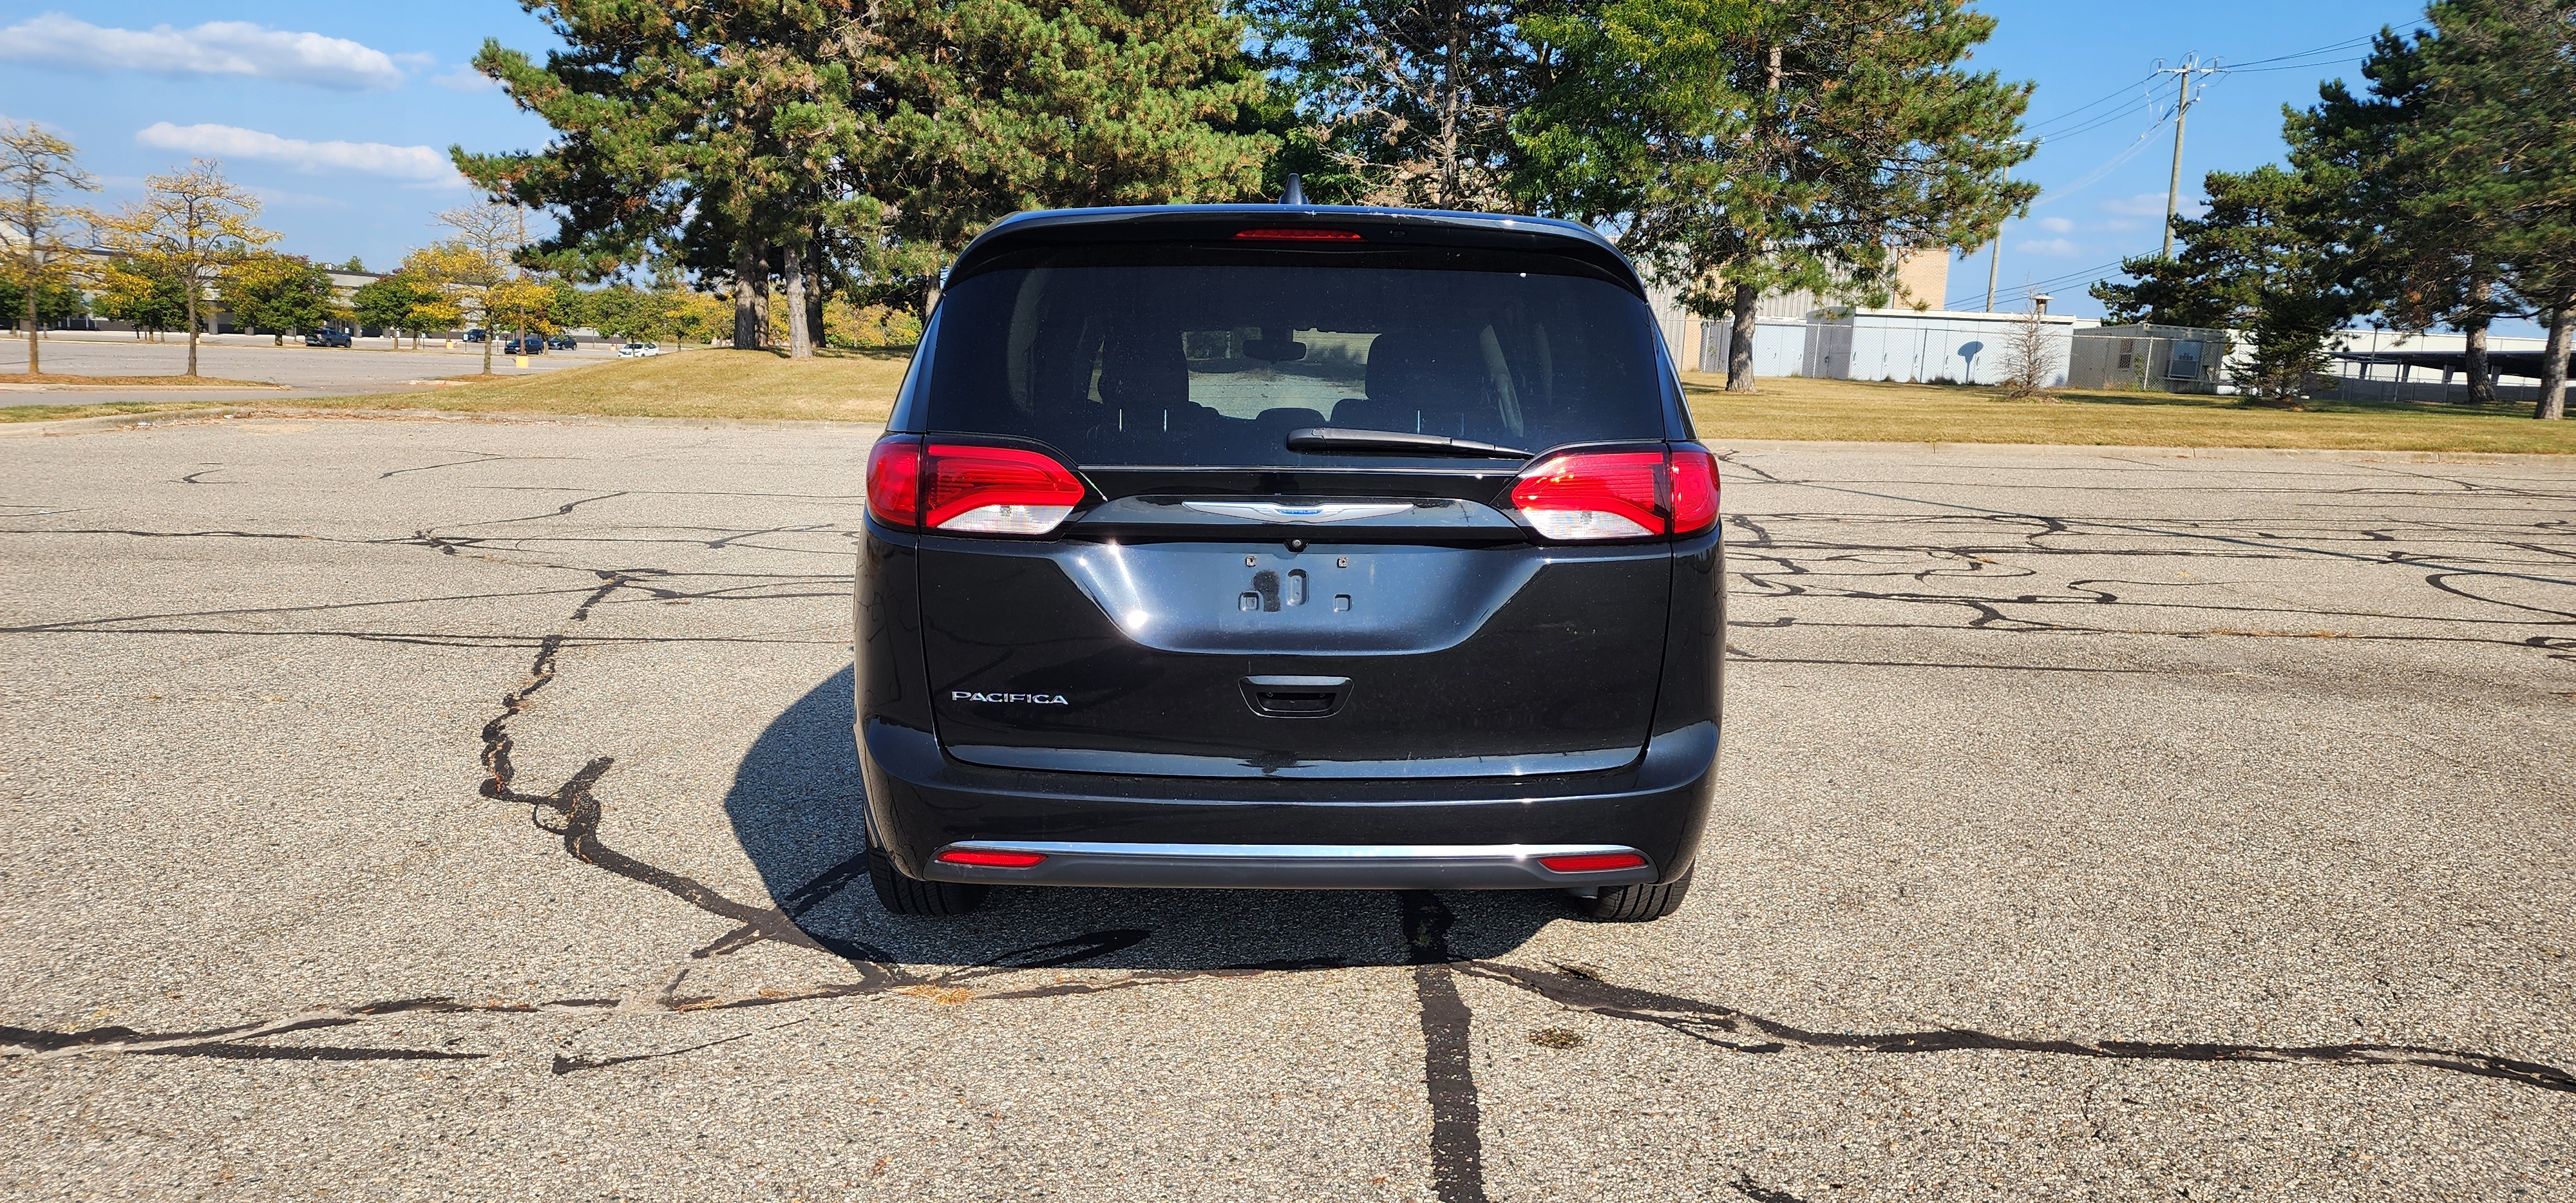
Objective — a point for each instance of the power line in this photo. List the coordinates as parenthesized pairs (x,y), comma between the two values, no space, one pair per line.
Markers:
(2084,275)
(2344,44)
(2095,176)
(2124,90)
(2143,104)
(2332,62)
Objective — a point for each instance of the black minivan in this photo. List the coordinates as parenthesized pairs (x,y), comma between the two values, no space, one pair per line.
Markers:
(1289,547)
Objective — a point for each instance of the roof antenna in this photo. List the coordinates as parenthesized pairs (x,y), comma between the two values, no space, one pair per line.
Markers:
(1296,193)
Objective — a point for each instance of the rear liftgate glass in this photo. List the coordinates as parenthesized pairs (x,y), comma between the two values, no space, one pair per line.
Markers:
(1210,512)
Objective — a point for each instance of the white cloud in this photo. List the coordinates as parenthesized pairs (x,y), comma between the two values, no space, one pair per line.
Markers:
(2049,246)
(214,48)
(2151,204)
(279,197)
(2057,225)
(465,79)
(364,158)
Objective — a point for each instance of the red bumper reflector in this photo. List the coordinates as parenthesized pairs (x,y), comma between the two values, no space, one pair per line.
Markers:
(1298,234)
(1592,862)
(990,860)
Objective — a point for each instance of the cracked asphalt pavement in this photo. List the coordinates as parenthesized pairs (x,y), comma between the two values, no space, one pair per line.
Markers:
(466,809)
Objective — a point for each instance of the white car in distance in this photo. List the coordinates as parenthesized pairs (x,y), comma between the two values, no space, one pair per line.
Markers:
(635,350)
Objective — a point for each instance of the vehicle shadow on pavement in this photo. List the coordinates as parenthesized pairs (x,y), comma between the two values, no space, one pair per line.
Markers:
(795,805)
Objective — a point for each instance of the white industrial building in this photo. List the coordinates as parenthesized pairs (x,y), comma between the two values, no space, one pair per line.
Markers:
(1800,334)
(1797,334)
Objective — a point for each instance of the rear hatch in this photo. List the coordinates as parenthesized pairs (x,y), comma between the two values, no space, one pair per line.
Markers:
(1126,567)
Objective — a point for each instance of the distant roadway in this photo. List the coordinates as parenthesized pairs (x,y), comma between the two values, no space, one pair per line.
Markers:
(369,367)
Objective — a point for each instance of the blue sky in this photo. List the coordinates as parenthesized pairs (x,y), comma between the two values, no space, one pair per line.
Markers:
(2091,62)
(340,114)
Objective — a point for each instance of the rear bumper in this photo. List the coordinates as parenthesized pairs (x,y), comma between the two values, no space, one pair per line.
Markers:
(1435,833)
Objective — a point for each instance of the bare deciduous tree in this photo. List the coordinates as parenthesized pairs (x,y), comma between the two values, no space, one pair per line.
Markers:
(2031,358)
(488,235)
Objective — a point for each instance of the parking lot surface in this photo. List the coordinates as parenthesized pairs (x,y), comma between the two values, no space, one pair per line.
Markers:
(369,367)
(412,810)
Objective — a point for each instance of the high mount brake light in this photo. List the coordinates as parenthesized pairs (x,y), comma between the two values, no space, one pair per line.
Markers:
(1587,495)
(969,490)
(1297,234)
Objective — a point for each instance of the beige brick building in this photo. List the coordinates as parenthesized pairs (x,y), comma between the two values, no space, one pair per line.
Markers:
(1922,283)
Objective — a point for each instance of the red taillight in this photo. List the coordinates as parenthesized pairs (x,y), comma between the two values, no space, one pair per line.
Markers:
(1694,490)
(996,491)
(990,860)
(1297,234)
(1619,494)
(894,482)
(968,490)
(1592,862)
(1594,495)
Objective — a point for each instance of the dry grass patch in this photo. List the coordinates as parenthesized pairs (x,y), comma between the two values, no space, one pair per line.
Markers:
(1873,412)
(841,386)
(846,386)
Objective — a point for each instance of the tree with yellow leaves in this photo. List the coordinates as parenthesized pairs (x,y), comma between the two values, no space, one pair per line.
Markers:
(35,168)
(464,279)
(197,223)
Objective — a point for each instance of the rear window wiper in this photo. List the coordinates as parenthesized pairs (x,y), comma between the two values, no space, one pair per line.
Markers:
(1332,439)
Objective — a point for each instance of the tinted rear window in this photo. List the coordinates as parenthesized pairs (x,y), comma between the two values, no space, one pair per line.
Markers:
(1213,361)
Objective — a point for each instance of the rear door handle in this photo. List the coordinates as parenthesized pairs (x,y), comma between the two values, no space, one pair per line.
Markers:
(1296,697)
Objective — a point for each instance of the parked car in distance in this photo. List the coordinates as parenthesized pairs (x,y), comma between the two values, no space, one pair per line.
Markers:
(474,336)
(328,338)
(561,342)
(531,345)
(637,350)
(1289,547)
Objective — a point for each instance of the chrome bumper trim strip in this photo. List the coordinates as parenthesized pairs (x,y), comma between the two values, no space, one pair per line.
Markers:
(1292,866)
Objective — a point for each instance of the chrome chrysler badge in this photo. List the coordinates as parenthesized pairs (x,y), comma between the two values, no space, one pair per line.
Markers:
(1274,511)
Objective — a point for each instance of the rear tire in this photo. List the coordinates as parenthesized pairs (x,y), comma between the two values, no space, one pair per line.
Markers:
(903,894)
(1635,904)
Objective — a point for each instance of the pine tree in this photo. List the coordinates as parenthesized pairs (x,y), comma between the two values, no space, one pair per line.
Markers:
(2411,259)
(995,106)
(2501,142)
(1409,101)
(2259,260)
(1743,148)
(827,142)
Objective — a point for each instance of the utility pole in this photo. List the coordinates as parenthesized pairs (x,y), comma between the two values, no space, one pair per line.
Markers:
(2183,96)
(1995,262)
(1994,268)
